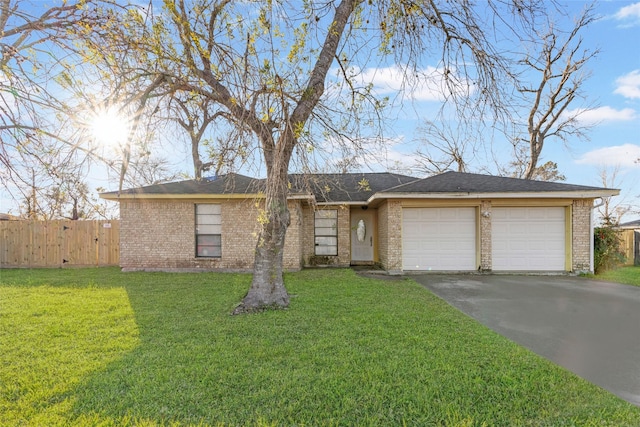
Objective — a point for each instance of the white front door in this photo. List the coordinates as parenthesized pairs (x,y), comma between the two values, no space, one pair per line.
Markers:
(362,235)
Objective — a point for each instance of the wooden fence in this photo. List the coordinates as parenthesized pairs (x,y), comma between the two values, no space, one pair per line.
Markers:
(60,243)
(630,246)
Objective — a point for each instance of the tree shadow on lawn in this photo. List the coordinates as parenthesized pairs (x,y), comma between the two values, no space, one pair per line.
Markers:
(365,351)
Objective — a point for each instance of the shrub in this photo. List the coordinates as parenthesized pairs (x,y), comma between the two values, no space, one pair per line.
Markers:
(607,254)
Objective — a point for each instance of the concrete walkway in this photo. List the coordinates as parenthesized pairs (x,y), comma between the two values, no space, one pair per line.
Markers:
(590,327)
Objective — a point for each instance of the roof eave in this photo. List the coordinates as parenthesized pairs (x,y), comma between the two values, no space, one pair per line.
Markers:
(345,203)
(171,196)
(587,194)
(129,196)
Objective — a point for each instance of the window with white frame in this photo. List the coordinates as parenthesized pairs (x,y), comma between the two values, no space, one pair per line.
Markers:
(326,232)
(208,231)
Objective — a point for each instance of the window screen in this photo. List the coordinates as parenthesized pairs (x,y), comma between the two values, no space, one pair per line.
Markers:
(208,231)
(326,232)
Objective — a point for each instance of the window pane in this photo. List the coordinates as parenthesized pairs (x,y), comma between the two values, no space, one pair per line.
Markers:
(326,223)
(327,241)
(210,240)
(326,250)
(209,219)
(209,246)
(209,251)
(209,229)
(326,232)
(208,209)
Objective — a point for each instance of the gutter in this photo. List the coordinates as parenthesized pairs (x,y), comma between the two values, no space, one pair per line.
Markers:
(169,196)
(164,196)
(595,194)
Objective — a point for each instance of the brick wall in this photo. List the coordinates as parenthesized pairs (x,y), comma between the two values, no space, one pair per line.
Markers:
(292,259)
(581,235)
(157,234)
(390,235)
(383,235)
(344,235)
(161,235)
(485,235)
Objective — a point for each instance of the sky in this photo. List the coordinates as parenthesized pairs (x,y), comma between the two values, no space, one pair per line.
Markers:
(614,87)
(613,144)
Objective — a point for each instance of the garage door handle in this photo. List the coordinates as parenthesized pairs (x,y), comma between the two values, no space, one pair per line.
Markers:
(370,240)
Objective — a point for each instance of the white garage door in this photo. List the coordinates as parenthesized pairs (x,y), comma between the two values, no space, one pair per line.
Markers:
(528,239)
(439,239)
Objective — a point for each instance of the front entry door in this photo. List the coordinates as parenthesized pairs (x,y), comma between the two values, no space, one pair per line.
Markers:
(362,235)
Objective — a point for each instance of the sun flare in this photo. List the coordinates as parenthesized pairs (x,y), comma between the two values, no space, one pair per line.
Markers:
(109,127)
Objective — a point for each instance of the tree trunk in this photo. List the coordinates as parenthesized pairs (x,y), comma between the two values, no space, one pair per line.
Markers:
(267,288)
(535,148)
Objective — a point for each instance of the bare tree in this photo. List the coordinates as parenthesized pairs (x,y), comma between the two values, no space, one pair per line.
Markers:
(518,166)
(42,152)
(561,67)
(549,81)
(610,211)
(444,147)
(286,73)
(212,147)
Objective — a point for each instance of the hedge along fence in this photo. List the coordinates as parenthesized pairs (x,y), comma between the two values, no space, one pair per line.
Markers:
(59,243)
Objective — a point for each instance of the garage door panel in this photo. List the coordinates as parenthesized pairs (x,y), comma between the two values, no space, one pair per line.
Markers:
(528,239)
(439,239)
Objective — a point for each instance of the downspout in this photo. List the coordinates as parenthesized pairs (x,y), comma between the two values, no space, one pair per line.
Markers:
(592,227)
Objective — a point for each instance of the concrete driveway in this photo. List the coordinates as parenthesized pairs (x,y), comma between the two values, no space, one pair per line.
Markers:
(590,327)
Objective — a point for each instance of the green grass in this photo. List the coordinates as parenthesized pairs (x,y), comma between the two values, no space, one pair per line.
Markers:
(627,275)
(100,347)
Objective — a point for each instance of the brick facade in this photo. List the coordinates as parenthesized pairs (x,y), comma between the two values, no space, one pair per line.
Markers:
(160,235)
(383,235)
(390,235)
(581,235)
(485,235)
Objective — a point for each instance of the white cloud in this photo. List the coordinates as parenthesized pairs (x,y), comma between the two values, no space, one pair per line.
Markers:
(390,80)
(618,155)
(427,84)
(374,155)
(630,14)
(602,114)
(629,84)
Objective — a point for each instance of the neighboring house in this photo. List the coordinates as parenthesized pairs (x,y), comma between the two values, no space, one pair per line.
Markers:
(450,222)
(8,217)
(630,234)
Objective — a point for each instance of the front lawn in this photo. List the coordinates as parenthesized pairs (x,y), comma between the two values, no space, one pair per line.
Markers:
(100,347)
(628,275)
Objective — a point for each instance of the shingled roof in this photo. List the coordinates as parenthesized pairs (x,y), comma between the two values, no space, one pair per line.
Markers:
(362,188)
(338,188)
(232,183)
(460,182)
(348,187)
(630,224)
